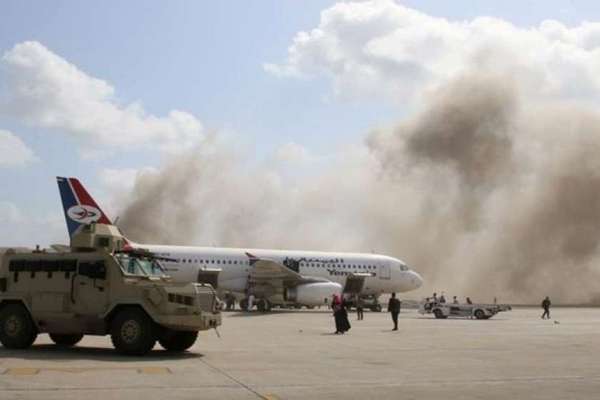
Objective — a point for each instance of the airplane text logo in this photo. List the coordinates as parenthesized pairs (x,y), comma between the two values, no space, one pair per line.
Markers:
(84,214)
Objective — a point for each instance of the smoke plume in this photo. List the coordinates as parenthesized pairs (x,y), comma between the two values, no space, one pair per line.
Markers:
(482,192)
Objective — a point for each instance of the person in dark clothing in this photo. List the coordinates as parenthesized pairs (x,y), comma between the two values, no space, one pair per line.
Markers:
(469,300)
(345,323)
(342,325)
(394,309)
(442,298)
(359,308)
(546,306)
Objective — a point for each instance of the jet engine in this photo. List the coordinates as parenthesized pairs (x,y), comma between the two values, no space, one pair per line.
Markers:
(312,294)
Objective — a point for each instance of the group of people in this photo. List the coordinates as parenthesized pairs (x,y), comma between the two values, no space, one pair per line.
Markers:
(340,312)
(442,299)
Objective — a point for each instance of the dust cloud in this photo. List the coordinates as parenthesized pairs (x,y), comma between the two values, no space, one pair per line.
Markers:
(483,192)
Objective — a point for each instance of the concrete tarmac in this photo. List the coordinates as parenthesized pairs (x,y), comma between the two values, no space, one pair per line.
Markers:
(294,355)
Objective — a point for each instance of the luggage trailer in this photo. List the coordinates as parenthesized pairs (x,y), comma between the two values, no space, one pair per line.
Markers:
(445,310)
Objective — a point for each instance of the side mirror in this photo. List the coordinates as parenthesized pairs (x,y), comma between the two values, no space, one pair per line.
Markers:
(93,269)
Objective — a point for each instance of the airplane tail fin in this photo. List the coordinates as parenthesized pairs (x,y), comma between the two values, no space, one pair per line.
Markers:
(79,207)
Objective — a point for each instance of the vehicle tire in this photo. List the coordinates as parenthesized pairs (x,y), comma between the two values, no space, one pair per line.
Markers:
(310,307)
(65,340)
(172,340)
(263,305)
(439,314)
(297,306)
(479,314)
(376,308)
(244,304)
(17,330)
(132,332)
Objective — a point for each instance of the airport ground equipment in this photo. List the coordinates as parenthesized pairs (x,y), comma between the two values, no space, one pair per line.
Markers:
(99,287)
(445,310)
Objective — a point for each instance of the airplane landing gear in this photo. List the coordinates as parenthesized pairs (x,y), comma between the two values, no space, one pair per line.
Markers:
(263,305)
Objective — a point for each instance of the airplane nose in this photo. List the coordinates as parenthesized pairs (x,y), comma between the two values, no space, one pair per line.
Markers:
(416,280)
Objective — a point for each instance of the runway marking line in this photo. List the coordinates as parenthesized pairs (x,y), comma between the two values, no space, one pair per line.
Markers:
(25,371)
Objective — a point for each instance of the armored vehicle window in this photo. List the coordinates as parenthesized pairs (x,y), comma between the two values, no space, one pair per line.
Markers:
(93,269)
(139,265)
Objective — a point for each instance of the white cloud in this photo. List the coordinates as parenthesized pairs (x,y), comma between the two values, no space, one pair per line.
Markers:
(292,153)
(379,47)
(13,152)
(9,213)
(46,90)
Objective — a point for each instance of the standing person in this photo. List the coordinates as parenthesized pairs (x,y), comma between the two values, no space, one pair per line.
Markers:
(442,298)
(546,306)
(454,300)
(359,308)
(435,299)
(344,322)
(394,309)
(336,306)
(469,300)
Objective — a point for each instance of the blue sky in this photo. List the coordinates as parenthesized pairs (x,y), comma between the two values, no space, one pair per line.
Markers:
(205,58)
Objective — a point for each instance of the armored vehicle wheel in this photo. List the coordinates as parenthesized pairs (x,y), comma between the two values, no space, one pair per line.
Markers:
(177,340)
(65,340)
(479,314)
(439,314)
(132,332)
(17,330)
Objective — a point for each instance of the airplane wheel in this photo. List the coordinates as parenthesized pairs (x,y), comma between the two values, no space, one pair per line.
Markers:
(263,305)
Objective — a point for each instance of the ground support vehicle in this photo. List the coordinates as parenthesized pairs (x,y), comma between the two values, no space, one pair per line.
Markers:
(99,287)
(477,311)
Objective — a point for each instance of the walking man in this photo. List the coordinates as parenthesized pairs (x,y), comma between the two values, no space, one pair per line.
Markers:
(546,306)
(394,309)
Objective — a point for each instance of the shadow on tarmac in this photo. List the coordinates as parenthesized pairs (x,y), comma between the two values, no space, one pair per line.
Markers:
(54,352)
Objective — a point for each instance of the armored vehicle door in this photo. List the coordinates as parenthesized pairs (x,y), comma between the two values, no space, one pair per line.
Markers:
(90,288)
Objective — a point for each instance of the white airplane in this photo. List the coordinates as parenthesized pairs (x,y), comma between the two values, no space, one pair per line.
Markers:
(277,277)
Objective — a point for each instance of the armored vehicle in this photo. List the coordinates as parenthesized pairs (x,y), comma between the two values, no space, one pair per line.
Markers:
(99,287)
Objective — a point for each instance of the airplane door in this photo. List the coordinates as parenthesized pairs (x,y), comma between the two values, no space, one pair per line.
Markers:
(209,276)
(385,272)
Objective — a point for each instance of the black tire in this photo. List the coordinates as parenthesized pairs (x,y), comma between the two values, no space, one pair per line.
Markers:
(263,305)
(479,314)
(177,340)
(244,304)
(132,332)
(439,314)
(376,308)
(17,330)
(65,340)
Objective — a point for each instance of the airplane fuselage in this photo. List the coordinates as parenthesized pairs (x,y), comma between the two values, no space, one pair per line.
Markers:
(385,274)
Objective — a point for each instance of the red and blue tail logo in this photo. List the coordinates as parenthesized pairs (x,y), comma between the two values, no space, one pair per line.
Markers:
(79,207)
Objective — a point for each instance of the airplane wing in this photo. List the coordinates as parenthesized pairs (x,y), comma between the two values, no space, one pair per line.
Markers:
(269,270)
(264,269)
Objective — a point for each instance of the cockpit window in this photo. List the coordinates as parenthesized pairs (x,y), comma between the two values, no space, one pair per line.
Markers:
(142,266)
(403,267)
